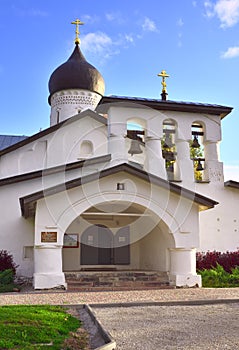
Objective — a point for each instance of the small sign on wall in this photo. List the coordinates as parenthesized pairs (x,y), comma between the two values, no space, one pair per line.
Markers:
(48,237)
(70,240)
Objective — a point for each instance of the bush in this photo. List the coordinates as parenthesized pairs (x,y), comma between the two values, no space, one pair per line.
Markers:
(7,281)
(217,277)
(209,260)
(6,262)
(6,277)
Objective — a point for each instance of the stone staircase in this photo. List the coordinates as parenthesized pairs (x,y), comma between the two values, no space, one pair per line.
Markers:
(116,280)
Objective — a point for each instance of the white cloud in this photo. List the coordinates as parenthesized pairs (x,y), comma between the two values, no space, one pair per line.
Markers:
(89,19)
(115,16)
(96,42)
(227,11)
(129,38)
(99,44)
(231,52)
(180,22)
(209,7)
(149,25)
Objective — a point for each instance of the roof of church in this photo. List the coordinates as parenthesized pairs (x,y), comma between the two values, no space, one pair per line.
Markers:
(9,140)
(28,139)
(158,104)
(76,73)
(28,203)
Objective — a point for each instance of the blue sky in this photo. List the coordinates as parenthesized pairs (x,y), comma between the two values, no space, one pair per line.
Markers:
(130,42)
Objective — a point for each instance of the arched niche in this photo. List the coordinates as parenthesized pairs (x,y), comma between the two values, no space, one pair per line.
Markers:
(86,149)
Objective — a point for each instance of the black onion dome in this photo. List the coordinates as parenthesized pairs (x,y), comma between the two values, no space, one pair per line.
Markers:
(76,73)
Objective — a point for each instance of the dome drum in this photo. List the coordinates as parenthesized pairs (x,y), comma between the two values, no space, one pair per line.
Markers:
(67,103)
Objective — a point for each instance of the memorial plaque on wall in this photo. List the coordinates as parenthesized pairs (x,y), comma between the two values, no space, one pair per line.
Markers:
(48,237)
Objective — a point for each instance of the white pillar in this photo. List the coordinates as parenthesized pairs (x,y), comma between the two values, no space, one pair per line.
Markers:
(48,267)
(183,268)
(154,162)
(211,151)
(184,165)
(116,142)
(117,149)
(213,168)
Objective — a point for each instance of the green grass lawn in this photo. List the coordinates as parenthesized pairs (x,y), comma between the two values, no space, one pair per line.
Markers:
(36,327)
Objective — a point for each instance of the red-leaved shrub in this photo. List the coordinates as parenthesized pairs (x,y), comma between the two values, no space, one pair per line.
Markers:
(227,260)
(6,262)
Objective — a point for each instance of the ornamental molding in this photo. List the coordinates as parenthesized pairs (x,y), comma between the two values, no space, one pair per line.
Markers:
(75,97)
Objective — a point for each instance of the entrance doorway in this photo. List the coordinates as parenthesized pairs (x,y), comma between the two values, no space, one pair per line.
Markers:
(99,246)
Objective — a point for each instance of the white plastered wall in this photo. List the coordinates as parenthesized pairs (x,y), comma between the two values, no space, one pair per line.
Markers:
(219,227)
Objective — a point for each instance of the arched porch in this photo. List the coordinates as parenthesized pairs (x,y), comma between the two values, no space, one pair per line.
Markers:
(126,238)
(161,221)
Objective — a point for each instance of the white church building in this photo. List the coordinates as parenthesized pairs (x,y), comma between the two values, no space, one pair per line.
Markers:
(115,183)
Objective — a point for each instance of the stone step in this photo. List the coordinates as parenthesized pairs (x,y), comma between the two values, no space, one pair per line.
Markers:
(137,274)
(120,280)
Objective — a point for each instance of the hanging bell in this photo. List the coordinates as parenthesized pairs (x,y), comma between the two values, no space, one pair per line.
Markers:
(135,148)
(195,143)
(168,142)
(170,168)
(169,156)
(199,166)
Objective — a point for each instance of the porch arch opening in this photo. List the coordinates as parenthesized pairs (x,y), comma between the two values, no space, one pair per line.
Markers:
(112,240)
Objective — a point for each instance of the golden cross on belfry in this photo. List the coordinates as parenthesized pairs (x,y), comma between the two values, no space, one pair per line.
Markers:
(77,22)
(164,75)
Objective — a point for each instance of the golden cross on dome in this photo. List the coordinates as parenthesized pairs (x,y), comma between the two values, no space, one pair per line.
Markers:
(164,75)
(77,22)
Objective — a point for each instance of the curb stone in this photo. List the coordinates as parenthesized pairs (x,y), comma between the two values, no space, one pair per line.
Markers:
(166,303)
(110,343)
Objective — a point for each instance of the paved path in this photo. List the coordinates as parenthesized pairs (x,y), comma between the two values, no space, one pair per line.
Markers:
(159,295)
(184,327)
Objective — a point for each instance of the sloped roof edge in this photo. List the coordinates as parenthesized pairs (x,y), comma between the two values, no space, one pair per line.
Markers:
(86,113)
(53,170)
(28,202)
(232,183)
(158,104)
